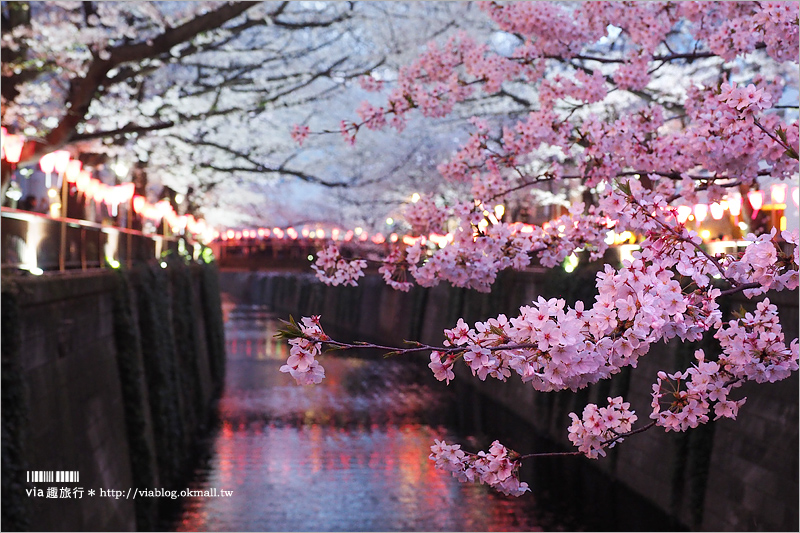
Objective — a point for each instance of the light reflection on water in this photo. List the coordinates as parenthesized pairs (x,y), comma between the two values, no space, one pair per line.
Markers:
(350,454)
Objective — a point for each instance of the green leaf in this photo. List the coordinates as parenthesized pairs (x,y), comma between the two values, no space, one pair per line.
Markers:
(497,331)
(290,330)
(739,313)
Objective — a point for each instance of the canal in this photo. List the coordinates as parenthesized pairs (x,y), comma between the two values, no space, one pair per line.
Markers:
(350,454)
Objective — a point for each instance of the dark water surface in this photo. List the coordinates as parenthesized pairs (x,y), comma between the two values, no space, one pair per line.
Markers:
(350,454)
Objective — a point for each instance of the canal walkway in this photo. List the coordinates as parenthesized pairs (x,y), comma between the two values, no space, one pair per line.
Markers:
(348,455)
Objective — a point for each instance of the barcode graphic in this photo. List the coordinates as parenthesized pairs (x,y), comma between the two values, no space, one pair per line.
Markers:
(50,476)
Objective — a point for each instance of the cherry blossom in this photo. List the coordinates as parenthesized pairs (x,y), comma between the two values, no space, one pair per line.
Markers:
(333,269)
(615,109)
(601,427)
(302,364)
(497,468)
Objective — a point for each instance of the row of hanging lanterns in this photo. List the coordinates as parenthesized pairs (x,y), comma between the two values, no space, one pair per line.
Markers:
(72,170)
(701,211)
(61,164)
(178,223)
(336,234)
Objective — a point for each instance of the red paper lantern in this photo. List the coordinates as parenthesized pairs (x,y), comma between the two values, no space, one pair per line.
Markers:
(700,212)
(48,162)
(756,199)
(62,158)
(73,172)
(778,193)
(12,147)
(138,204)
(735,206)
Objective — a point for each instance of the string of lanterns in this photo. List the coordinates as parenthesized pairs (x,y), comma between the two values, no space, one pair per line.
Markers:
(61,164)
(700,213)
(777,196)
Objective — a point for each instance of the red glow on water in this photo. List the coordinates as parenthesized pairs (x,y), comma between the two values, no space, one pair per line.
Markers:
(348,454)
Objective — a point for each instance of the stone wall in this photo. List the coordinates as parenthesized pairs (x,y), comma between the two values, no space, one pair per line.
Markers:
(728,475)
(108,374)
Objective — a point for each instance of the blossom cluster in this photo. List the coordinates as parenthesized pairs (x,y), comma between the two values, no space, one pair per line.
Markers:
(753,348)
(300,133)
(480,246)
(601,427)
(594,118)
(333,269)
(394,271)
(302,364)
(497,468)
(763,262)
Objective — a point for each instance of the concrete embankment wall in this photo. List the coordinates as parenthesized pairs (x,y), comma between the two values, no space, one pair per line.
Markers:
(727,475)
(111,374)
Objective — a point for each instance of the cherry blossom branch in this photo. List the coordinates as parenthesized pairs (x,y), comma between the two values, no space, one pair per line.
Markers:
(739,288)
(678,236)
(605,443)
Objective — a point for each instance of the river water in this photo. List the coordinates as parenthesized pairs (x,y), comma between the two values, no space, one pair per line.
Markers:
(350,454)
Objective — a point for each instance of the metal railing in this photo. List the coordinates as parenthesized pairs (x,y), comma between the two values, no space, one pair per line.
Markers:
(40,243)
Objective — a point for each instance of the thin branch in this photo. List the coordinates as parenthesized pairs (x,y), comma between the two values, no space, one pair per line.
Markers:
(130,128)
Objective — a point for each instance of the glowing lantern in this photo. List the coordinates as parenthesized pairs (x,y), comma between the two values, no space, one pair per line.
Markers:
(700,212)
(91,187)
(12,147)
(230,234)
(126,192)
(335,234)
(716,211)
(378,239)
(756,199)
(48,164)
(62,158)
(304,232)
(778,193)
(173,219)
(683,214)
(292,233)
(261,232)
(84,178)
(393,237)
(73,171)
(735,206)
(179,222)
(164,208)
(796,195)
(245,234)
(138,204)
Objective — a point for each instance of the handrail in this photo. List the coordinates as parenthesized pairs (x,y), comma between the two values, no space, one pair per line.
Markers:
(38,243)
